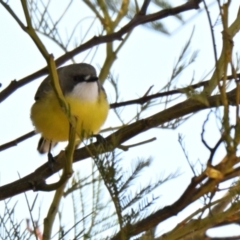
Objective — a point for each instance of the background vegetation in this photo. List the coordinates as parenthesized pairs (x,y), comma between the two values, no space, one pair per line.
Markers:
(110,196)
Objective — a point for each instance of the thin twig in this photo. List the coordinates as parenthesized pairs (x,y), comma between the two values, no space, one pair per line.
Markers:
(136,21)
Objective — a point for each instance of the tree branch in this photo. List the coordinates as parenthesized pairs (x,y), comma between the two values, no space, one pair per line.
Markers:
(136,21)
(145,98)
(35,180)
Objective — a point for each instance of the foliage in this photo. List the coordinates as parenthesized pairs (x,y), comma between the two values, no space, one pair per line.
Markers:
(113,201)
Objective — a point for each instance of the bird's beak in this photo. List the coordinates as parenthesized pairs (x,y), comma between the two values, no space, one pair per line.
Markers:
(90,78)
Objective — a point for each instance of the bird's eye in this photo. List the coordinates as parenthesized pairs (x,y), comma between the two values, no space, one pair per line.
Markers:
(79,78)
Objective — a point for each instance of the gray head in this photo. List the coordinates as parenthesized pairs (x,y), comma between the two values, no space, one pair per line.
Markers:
(69,77)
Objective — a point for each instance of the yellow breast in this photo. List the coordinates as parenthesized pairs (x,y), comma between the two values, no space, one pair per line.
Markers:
(52,123)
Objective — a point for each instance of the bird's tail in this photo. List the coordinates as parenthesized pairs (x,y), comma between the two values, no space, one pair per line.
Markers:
(45,145)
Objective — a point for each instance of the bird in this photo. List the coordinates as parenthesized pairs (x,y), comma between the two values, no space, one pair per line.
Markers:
(86,98)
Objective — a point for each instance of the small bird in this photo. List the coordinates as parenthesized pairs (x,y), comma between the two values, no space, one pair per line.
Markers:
(87,101)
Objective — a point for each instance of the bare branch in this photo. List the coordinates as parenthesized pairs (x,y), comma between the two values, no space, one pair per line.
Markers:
(136,21)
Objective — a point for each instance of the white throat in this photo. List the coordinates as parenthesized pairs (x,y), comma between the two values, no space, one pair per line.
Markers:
(87,91)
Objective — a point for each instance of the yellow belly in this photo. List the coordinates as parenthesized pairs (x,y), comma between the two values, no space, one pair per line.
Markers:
(52,123)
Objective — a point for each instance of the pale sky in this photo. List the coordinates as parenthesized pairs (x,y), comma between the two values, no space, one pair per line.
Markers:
(146,59)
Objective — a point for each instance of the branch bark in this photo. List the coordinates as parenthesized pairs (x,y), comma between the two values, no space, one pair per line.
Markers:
(35,180)
(136,21)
